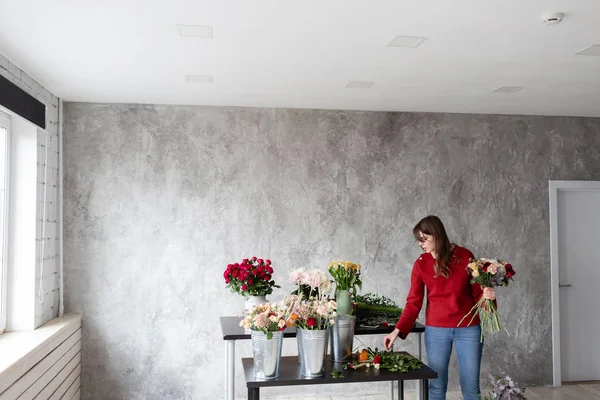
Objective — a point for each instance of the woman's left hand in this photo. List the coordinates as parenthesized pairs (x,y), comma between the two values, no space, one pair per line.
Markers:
(489,293)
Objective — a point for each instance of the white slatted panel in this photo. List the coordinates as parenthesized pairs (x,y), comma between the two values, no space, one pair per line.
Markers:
(51,372)
(72,356)
(72,391)
(15,370)
(65,385)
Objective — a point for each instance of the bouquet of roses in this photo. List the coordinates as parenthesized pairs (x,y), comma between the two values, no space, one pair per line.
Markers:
(488,273)
(310,283)
(267,318)
(346,275)
(314,313)
(251,277)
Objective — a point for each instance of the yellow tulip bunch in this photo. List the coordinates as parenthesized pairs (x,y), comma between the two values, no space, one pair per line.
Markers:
(346,275)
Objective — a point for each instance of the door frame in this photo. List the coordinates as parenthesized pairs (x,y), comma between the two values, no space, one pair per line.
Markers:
(554,188)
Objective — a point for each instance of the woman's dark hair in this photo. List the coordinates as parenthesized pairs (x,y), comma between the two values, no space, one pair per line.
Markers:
(432,225)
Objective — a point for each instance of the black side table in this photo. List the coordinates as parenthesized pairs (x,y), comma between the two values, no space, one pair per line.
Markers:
(289,375)
(232,331)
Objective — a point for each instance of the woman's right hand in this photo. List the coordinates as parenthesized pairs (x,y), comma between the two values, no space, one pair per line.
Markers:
(389,339)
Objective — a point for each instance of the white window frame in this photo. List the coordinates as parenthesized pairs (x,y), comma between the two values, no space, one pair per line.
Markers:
(5,122)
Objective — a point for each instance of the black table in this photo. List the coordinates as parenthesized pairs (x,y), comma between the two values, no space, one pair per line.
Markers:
(289,375)
(232,331)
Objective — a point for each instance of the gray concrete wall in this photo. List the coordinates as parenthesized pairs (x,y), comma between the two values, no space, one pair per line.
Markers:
(47,177)
(158,199)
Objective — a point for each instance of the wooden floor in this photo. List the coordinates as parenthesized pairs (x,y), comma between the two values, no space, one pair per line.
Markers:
(584,391)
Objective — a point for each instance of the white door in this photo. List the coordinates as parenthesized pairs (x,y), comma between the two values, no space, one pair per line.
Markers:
(578,230)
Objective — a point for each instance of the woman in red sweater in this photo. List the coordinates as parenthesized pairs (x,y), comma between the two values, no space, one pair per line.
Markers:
(442,269)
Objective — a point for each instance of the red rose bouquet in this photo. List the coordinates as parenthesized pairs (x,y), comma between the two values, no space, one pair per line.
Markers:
(251,277)
(489,273)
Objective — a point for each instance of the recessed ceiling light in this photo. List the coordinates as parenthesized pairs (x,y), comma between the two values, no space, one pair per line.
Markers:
(593,50)
(199,78)
(359,84)
(406,41)
(508,89)
(195,31)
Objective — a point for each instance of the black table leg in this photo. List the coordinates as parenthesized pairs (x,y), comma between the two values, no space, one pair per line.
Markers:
(254,393)
(425,394)
(400,390)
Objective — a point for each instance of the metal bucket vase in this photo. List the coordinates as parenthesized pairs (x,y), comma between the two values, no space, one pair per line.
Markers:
(342,338)
(300,352)
(314,350)
(267,354)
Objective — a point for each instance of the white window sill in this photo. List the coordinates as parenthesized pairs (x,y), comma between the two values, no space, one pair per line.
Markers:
(21,349)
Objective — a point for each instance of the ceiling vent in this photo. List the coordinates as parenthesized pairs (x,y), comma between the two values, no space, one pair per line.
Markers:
(195,31)
(199,78)
(507,89)
(359,85)
(406,41)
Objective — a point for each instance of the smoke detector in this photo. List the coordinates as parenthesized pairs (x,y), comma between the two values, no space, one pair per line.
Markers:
(552,18)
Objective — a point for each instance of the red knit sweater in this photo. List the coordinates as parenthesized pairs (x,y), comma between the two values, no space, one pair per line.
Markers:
(448,299)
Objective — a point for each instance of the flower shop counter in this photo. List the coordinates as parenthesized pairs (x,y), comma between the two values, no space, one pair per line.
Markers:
(289,375)
(232,331)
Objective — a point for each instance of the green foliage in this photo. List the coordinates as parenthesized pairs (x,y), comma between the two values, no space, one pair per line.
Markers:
(336,373)
(375,308)
(374,299)
(402,362)
(392,361)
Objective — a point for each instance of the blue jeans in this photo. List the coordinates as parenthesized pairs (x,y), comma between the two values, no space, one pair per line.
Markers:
(438,344)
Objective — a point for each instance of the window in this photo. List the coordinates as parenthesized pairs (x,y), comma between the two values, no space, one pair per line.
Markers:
(4,179)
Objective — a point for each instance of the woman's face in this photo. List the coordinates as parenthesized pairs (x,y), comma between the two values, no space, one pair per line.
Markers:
(427,243)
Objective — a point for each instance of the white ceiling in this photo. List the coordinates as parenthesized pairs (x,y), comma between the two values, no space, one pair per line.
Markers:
(277,53)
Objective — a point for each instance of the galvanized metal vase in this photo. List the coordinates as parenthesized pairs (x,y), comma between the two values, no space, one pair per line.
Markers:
(267,354)
(300,352)
(342,338)
(314,351)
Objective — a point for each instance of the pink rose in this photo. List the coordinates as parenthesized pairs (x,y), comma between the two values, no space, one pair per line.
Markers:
(260,261)
(492,269)
(244,287)
(253,258)
(268,262)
